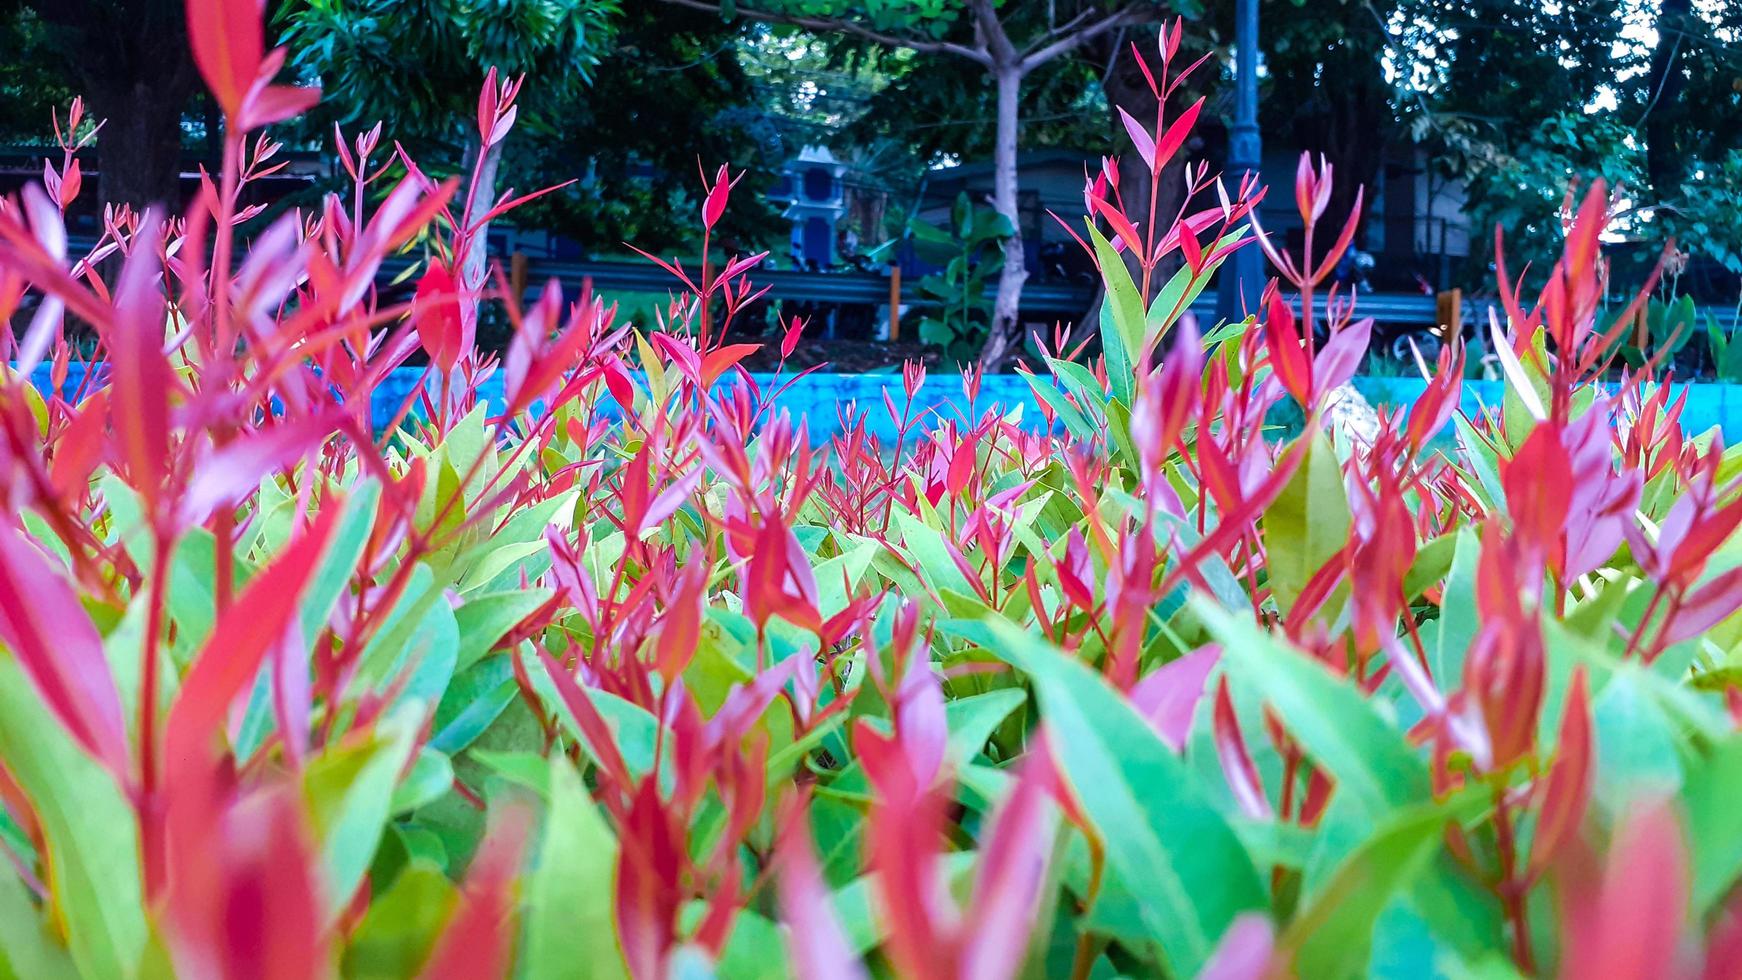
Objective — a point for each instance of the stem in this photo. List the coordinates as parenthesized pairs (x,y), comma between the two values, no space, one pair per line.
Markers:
(224,530)
(1510,889)
(147,803)
(221,245)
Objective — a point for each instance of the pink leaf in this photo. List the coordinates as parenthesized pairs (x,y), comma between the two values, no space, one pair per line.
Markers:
(1168,697)
(814,937)
(60,650)
(1632,925)
(1247,950)
(1140,136)
(479,940)
(1013,862)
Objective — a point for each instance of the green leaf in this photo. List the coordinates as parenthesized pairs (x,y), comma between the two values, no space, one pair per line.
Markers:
(1373,765)
(925,545)
(484,619)
(1483,461)
(1710,798)
(839,576)
(1076,423)
(1307,523)
(93,847)
(1121,309)
(27,948)
(1158,827)
(474,700)
(571,898)
(400,928)
(1457,622)
(340,561)
(431,776)
(349,790)
(1329,938)
(1636,751)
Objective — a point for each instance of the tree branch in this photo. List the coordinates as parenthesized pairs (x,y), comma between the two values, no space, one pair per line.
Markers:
(979,55)
(1120,18)
(1059,31)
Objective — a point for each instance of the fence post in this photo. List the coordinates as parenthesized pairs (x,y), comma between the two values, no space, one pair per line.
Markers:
(517,276)
(894,301)
(1449,311)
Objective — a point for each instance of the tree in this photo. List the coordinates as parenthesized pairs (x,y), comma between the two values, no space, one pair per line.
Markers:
(674,88)
(416,66)
(1008,44)
(1661,119)
(129,59)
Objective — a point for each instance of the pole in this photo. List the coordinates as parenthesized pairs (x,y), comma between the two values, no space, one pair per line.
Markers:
(894,301)
(1242,277)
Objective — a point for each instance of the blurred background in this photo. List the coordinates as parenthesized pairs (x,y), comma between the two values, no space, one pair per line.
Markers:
(868,133)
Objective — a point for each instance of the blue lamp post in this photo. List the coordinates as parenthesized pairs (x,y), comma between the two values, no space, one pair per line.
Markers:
(1242,277)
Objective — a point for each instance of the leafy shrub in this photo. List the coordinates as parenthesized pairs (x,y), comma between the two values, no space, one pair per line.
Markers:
(971,259)
(623,676)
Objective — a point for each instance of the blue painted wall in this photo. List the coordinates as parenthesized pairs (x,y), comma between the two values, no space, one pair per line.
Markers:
(819,398)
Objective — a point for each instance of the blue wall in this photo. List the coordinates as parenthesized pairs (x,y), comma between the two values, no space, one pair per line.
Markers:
(818,398)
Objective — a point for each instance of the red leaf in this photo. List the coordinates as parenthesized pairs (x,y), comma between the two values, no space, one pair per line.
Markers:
(1343,240)
(141,379)
(1176,134)
(600,743)
(232,473)
(1538,482)
(1013,862)
(1287,357)
(1168,696)
(228,42)
(682,626)
(789,341)
(248,629)
(648,892)
(268,104)
(60,650)
(680,353)
(1567,791)
(479,940)
(1124,233)
(720,360)
(903,833)
(1341,356)
(1705,608)
(80,446)
(1246,952)
(436,311)
(715,205)
(1237,766)
(1438,400)
(246,900)
(778,580)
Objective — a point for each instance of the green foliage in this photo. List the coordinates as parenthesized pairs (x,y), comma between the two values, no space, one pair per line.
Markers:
(968,249)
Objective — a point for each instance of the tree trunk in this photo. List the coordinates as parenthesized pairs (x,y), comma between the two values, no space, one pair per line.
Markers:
(483,196)
(139,147)
(1664,85)
(1004,339)
(130,60)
